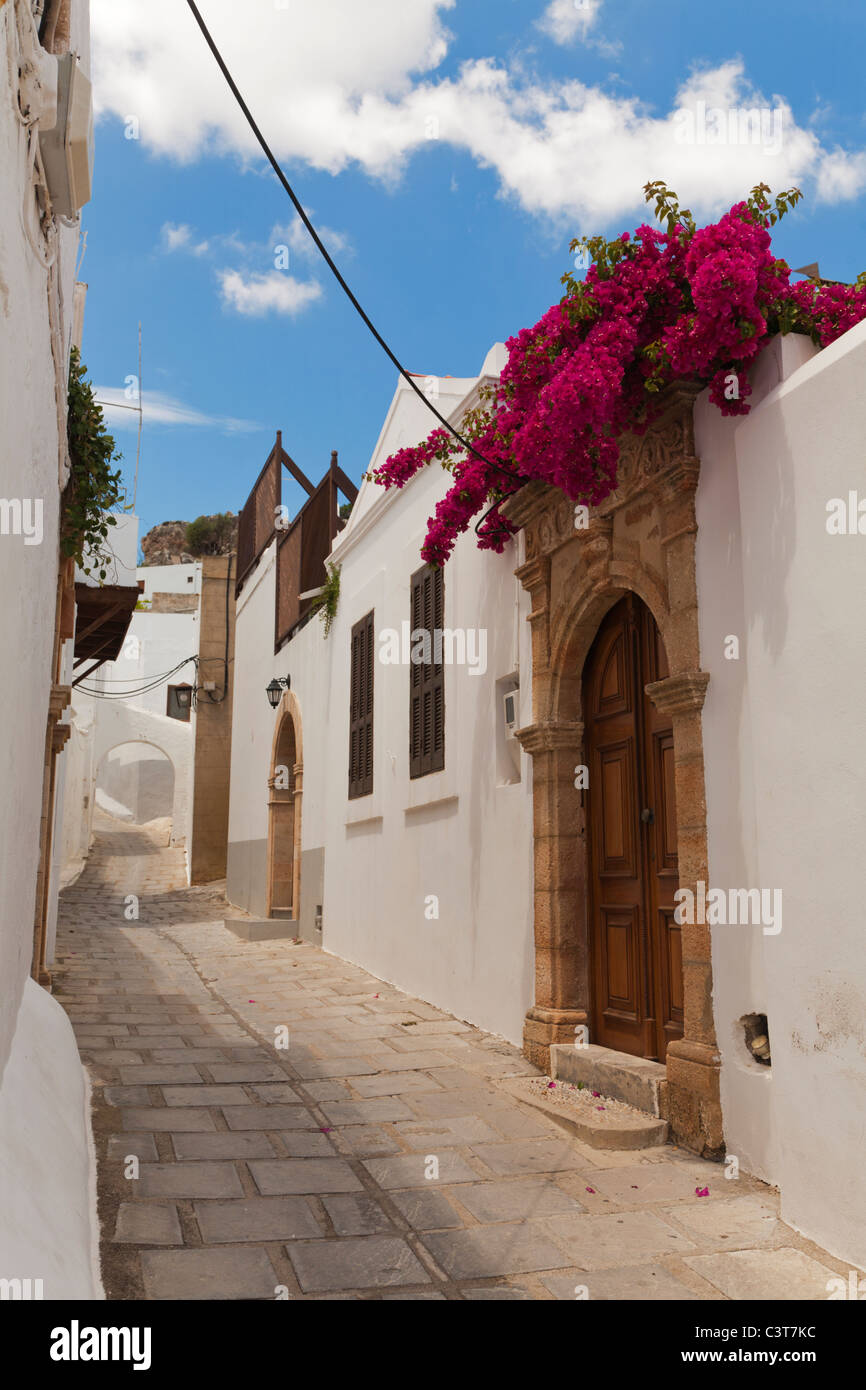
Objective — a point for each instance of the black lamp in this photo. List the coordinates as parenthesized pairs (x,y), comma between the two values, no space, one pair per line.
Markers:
(274,691)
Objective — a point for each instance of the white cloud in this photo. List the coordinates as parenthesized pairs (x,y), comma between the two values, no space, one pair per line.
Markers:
(348,84)
(257,295)
(180,237)
(295,235)
(159,408)
(566,20)
(841,176)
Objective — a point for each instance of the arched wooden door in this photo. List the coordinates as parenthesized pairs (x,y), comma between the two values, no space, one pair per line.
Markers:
(635,944)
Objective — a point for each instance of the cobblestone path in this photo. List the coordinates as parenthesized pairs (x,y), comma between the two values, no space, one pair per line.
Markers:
(375,1157)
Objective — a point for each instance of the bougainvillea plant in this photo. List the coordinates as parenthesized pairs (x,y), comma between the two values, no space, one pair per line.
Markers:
(668,303)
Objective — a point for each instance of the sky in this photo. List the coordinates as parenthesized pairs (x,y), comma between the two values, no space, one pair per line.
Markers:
(447,151)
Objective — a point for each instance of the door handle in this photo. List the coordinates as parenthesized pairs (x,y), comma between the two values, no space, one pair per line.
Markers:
(647,815)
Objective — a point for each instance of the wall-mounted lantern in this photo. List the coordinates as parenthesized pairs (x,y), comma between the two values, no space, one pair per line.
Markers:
(274,691)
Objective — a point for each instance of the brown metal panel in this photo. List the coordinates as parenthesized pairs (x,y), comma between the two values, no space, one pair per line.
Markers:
(257,520)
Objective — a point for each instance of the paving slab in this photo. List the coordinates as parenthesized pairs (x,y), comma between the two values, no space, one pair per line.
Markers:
(425,1210)
(641,1283)
(410,1170)
(528,1156)
(204,1095)
(739,1221)
(627,1238)
(768,1275)
(519,1200)
(357,1214)
(482,1251)
(362,1112)
(244,1273)
(189,1180)
(148,1223)
(256,1219)
(297,1175)
(365,1262)
(268,1117)
(166,1118)
(235,1144)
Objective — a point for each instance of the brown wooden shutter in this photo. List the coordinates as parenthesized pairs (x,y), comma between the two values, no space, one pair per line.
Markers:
(361,709)
(427,680)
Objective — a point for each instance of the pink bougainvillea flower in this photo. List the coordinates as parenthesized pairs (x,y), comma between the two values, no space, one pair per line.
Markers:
(601,1107)
(551,1085)
(686,304)
(591,1189)
(596,1093)
(702,1192)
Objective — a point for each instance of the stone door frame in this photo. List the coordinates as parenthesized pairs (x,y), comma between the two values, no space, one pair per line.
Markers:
(642,539)
(288,710)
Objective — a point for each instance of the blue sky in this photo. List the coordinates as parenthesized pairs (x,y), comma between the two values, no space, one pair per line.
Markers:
(450,242)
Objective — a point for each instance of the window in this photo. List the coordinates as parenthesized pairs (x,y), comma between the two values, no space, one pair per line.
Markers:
(178,701)
(361,710)
(427,676)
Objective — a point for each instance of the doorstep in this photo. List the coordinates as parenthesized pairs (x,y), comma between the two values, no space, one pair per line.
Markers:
(263,928)
(634,1080)
(600,1127)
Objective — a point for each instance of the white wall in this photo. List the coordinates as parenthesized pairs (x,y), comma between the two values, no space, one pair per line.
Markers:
(170,579)
(456,835)
(43,1216)
(48,1227)
(785,751)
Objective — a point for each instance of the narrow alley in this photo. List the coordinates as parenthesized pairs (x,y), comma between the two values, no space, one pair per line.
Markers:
(303,1130)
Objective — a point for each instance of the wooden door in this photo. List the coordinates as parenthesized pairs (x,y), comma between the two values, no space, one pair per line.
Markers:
(635,946)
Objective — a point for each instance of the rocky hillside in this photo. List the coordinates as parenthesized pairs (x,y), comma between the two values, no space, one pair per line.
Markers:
(166,544)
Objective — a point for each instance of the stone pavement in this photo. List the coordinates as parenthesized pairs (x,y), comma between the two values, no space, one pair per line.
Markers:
(372,1157)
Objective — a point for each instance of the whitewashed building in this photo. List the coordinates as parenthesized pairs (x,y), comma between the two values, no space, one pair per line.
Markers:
(422,874)
(664,861)
(47,1216)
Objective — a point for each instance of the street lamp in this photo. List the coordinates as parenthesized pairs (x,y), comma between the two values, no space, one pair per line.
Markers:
(183,696)
(274,691)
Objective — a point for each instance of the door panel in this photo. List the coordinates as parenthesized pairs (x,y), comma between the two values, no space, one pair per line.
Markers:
(635,946)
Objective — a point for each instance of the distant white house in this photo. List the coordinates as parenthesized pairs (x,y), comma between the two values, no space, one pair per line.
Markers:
(133,721)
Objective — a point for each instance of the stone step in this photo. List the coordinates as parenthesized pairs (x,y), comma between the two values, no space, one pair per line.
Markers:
(606,1129)
(262,928)
(633,1080)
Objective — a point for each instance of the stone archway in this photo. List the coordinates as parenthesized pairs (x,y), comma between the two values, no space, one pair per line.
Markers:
(640,539)
(146,786)
(285,795)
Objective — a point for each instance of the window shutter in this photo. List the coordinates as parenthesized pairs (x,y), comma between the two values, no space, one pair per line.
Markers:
(427,679)
(361,709)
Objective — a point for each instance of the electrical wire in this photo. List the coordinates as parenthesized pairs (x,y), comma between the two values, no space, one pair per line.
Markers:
(125,680)
(153,684)
(275,165)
